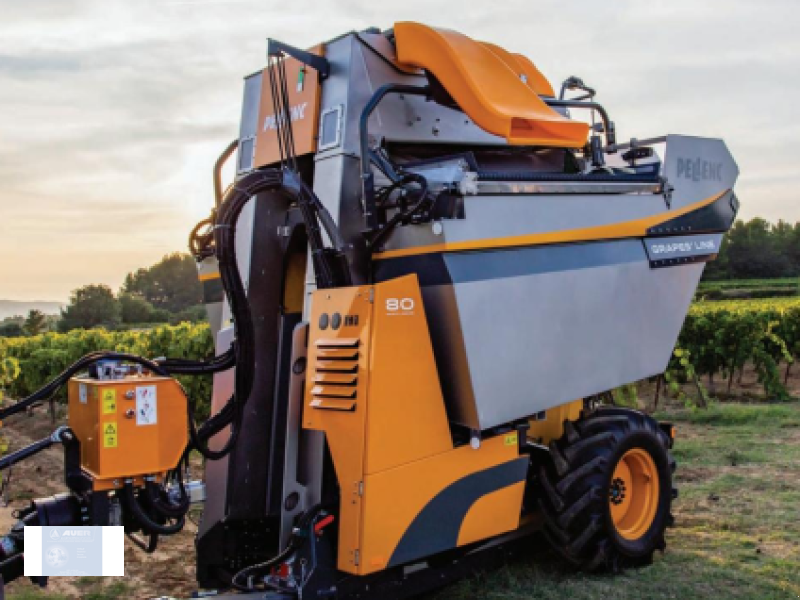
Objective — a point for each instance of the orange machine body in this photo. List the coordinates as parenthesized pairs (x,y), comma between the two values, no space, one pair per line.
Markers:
(498,90)
(127,428)
(373,388)
(304,99)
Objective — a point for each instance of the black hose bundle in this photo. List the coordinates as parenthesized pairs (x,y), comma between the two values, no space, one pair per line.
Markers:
(82,363)
(402,216)
(181,366)
(148,523)
(329,267)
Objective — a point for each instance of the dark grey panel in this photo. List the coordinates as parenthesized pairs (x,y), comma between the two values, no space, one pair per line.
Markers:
(436,527)
(499,264)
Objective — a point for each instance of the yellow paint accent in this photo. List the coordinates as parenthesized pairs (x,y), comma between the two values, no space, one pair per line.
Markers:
(208,276)
(492,513)
(552,427)
(625,229)
(130,450)
(486,88)
(633,514)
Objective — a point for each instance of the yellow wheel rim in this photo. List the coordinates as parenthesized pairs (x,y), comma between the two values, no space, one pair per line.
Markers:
(633,495)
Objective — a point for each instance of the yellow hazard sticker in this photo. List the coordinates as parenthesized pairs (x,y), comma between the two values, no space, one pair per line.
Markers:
(109,435)
(511,439)
(109,401)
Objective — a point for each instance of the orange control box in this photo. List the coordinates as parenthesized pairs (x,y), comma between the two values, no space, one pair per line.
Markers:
(127,427)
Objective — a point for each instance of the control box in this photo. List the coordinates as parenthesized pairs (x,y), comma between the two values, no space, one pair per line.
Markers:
(128,427)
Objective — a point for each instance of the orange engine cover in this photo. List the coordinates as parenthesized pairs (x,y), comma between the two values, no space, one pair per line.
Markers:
(128,427)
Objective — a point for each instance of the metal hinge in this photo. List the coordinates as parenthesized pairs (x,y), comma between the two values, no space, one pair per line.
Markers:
(371,295)
(356,557)
(360,488)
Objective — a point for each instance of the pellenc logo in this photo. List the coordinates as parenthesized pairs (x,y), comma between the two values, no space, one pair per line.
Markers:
(698,169)
(296,113)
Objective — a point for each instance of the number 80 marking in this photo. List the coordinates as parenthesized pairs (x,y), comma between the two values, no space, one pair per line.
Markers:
(395,304)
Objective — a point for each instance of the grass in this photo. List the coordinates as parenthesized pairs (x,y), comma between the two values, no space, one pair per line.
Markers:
(737,532)
(749,283)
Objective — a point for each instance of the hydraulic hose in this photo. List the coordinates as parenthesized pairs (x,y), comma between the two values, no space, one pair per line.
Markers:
(181,366)
(79,365)
(144,519)
(164,507)
(328,275)
(402,215)
(148,546)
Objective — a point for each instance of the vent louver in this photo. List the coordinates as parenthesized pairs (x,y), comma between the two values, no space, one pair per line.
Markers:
(336,374)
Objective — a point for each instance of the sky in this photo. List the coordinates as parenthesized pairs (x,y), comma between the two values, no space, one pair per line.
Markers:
(112,113)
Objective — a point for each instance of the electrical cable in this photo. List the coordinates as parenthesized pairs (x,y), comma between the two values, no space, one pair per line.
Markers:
(401,216)
(82,363)
(144,519)
(295,543)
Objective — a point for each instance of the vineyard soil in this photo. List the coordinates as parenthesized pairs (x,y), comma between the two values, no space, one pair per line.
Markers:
(737,532)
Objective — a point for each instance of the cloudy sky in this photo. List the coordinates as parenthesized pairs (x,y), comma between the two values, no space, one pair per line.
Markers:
(113,112)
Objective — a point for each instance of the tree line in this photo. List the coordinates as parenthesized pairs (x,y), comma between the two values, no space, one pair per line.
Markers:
(167,292)
(757,249)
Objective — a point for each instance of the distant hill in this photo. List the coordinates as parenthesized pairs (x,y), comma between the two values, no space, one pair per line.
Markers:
(10,308)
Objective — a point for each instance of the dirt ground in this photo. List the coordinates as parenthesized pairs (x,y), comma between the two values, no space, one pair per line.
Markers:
(169,571)
(717,459)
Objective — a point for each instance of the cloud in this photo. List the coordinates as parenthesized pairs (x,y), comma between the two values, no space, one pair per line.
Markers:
(114,112)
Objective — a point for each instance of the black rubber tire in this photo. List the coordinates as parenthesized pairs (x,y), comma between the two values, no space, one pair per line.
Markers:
(575,485)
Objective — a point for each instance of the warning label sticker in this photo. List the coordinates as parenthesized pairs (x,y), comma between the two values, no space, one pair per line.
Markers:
(146,405)
(109,401)
(83,393)
(511,440)
(109,435)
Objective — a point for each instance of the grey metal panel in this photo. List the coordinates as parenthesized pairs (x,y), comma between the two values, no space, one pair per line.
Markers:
(249,124)
(697,168)
(565,331)
(357,72)
(216,471)
(302,472)
(493,217)
(498,216)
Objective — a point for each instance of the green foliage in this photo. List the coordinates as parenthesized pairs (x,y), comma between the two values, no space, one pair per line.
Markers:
(135,309)
(12,327)
(757,248)
(35,323)
(90,306)
(718,338)
(170,284)
(42,357)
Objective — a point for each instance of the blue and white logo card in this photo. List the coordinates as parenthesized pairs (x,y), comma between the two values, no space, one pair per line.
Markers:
(74,551)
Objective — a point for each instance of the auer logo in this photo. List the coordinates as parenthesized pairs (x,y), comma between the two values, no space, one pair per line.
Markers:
(296,113)
(70,533)
(699,170)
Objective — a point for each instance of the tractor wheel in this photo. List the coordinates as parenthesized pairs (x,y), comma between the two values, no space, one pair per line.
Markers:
(607,490)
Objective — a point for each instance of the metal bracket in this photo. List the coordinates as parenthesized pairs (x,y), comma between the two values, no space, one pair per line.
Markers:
(318,63)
